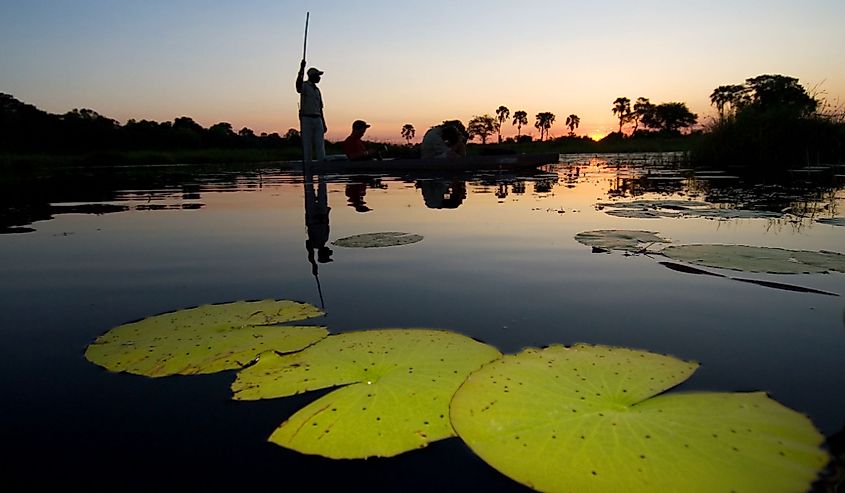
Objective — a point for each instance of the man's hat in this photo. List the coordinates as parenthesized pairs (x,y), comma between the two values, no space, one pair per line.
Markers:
(314,71)
(360,124)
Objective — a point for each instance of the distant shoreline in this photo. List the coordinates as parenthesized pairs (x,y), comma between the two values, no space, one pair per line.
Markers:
(31,161)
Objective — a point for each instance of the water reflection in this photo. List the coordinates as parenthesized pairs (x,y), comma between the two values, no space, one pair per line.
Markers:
(317,225)
(494,268)
(442,194)
(317,221)
(356,190)
(801,197)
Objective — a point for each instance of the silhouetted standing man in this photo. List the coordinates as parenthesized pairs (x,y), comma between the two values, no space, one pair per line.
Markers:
(312,123)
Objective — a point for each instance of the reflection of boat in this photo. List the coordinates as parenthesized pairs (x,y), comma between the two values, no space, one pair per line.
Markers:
(469,163)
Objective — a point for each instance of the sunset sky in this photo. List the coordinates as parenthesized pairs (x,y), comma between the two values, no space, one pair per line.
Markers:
(392,63)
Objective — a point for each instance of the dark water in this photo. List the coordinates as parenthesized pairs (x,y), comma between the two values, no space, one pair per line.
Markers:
(498,263)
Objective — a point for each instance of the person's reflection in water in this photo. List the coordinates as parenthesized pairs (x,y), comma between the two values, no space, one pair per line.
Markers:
(355,193)
(316,221)
(442,194)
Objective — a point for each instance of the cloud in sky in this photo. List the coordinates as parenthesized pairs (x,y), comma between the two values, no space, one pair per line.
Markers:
(392,63)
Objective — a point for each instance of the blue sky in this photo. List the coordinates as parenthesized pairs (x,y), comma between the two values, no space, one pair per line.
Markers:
(406,62)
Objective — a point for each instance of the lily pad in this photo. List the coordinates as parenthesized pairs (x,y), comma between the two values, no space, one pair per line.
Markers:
(205,339)
(757,259)
(640,213)
(679,205)
(396,387)
(737,214)
(378,240)
(833,221)
(619,239)
(653,209)
(760,282)
(589,418)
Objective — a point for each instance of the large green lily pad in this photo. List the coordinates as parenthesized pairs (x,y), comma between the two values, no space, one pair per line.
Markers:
(757,259)
(378,240)
(396,387)
(619,239)
(205,339)
(589,419)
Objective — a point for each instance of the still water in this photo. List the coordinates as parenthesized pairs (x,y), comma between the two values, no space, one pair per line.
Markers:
(498,263)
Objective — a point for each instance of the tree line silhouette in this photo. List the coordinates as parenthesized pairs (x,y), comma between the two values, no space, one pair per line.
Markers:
(25,128)
(769,119)
(665,118)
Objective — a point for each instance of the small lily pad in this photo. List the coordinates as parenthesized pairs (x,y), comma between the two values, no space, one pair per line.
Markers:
(396,387)
(757,259)
(833,221)
(619,239)
(205,339)
(589,418)
(378,240)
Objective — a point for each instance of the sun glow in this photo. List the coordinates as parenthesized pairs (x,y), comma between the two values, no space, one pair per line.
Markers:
(598,134)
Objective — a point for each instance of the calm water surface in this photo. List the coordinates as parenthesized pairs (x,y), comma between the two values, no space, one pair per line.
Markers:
(498,263)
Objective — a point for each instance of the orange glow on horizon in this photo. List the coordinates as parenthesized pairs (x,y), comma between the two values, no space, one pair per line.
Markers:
(598,134)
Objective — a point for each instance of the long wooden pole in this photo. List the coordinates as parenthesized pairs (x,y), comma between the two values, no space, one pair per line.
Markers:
(305,41)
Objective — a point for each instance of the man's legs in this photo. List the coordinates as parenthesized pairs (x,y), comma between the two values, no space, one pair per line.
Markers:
(306,125)
(313,141)
(319,140)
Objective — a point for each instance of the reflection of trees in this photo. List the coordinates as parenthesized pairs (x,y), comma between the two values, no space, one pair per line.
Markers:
(544,185)
(621,186)
(800,201)
(571,176)
(442,194)
(31,198)
(804,201)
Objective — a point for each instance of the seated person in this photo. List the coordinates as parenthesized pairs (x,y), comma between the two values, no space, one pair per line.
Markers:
(443,141)
(354,147)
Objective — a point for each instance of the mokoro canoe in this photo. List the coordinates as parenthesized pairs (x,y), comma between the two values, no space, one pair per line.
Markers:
(470,163)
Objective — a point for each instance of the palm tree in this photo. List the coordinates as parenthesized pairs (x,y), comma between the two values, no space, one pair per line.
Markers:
(722,96)
(572,121)
(622,109)
(520,118)
(544,123)
(502,114)
(408,132)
